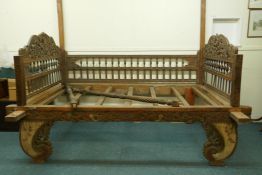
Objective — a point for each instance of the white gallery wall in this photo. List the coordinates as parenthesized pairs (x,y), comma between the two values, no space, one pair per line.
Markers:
(21,19)
(131,27)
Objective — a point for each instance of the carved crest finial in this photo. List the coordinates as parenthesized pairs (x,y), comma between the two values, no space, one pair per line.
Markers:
(40,46)
(218,46)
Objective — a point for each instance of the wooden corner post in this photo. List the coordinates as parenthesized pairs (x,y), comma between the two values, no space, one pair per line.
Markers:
(60,24)
(20,80)
(202,41)
(236,80)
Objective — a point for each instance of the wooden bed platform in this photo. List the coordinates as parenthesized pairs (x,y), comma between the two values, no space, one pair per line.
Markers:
(205,88)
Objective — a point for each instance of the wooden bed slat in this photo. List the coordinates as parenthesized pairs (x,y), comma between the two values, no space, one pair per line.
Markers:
(205,97)
(214,95)
(129,93)
(179,96)
(240,117)
(52,97)
(153,94)
(42,96)
(101,100)
(15,116)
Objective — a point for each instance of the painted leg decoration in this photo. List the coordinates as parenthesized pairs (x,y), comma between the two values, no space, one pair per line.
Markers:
(222,141)
(34,139)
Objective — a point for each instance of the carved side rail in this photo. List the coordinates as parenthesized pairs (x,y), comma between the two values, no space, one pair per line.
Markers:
(38,67)
(134,68)
(222,68)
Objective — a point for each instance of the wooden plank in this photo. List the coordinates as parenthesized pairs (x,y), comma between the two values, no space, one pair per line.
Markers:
(240,117)
(200,76)
(236,81)
(42,96)
(20,80)
(130,93)
(15,116)
(212,94)
(101,100)
(153,94)
(51,98)
(60,24)
(180,97)
(205,97)
(203,24)
(87,88)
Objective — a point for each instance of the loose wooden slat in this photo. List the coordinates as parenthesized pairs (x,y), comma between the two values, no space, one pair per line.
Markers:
(15,116)
(180,97)
(240,117)
(153,94)
(205,97)
(101,100)
(214,95)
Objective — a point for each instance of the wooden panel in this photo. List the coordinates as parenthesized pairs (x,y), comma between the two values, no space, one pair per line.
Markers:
(240,117)
(216,97)
(38,67)
(153,94)
(60,24)
(222,68)
(129,93)
(180,97)
(132,68)
(15,116)
(101,100)
(205,97)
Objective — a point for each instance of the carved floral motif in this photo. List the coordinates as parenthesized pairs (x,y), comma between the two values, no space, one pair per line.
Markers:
(34,139)
(40,46)
(221,140)
(218,47)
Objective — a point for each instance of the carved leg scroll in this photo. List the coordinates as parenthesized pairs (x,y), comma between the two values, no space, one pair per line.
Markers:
(34,139)
(222,141)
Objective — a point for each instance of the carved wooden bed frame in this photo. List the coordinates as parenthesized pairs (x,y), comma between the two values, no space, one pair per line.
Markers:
(206,85)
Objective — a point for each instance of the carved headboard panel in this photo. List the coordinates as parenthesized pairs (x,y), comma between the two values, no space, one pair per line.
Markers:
(38,67)
(222,68)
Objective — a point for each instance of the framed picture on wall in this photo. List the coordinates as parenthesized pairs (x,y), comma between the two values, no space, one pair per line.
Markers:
(255,23)
(255,4)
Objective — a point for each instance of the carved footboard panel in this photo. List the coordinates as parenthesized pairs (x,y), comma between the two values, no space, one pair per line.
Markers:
(38,68)
(222,68)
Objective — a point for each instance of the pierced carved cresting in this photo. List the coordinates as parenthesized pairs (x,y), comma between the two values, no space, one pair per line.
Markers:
(40,46)
(34,139)
(218,47)
(222,140)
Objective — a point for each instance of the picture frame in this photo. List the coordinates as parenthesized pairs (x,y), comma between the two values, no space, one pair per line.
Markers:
(255,4)
(255,24)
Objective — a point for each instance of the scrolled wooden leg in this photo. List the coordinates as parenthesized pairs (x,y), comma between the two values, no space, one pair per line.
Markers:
(222,141)
(34,139)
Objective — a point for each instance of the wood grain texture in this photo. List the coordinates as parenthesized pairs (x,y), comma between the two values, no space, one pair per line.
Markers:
(180,97)
(15,116)
(60,24)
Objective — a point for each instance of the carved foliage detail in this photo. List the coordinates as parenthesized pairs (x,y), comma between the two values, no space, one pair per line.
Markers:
(40,46)
(222,140)
(218,47)
(34,138)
